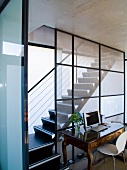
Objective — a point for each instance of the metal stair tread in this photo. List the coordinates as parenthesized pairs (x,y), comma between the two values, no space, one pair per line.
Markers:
(62,113)
(52,121)
(37,142)
(48,119)
(48,159)
(46,130)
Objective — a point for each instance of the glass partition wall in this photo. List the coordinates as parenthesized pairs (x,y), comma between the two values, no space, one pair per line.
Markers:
(86,76)
(89,77)
(88,71)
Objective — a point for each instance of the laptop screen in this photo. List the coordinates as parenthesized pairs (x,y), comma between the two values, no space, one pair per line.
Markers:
(92,118)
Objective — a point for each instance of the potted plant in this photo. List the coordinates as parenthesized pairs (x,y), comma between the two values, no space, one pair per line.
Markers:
(76,118)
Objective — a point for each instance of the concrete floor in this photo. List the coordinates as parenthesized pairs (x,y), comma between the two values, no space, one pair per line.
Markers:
(107,165)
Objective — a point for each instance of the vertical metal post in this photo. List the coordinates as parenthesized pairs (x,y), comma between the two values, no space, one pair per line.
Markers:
(73,87)
(124,89)
(76,66)
(55,91)
(24,81)
(99,78)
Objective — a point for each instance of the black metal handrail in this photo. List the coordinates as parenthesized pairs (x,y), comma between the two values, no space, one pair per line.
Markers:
(40,80)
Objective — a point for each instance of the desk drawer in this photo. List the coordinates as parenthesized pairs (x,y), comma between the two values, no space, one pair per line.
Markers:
(111,137)
(118,133)
(95,144)
(108,138)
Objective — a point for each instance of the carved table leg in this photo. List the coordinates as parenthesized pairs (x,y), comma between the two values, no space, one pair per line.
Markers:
(64,153)
(90,161)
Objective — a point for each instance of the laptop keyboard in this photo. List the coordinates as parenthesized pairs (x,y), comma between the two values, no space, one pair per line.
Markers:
(99,128)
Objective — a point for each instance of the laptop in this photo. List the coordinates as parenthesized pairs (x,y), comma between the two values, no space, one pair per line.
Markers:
(92,119)
(99,128)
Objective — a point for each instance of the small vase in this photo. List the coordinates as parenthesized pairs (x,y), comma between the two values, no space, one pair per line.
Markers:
(77,128)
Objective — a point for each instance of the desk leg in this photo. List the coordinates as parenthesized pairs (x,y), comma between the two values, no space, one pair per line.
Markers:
(90,160)
(64,153)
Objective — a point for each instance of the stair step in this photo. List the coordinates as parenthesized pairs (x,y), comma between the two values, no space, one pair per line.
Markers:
(63,107)
(79,93)
(38,141)
(41,147)
(47,122)
(65,168)
(105,62)
(77,102)
(52,114)
(61,116)
(104,67)
(51,162)
(87,86)
(90,74)
(47,131)
(88,79)
(105,58)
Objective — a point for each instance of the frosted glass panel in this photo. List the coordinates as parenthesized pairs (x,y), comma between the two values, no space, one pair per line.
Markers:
(86,53)
(112,59)
(112,83)
(11,157)
(64,48)
(112,105)
(88,104)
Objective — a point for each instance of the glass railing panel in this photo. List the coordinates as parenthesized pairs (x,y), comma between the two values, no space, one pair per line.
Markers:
(40,101)
(112,59)
(112,105)
(86,53)
(109,80)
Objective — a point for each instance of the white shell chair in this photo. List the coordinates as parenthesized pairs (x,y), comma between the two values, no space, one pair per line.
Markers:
(113,150)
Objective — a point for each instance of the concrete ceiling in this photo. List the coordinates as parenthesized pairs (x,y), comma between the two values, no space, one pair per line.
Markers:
(104,21)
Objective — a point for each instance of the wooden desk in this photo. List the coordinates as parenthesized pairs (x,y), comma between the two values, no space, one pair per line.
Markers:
(88,141)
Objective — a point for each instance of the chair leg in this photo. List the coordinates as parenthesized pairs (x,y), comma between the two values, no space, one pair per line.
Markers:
(94,162)
(124,159)
(113,161)
(104,158)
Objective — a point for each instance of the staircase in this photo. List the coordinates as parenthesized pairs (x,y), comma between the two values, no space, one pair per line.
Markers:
(41,154)
(84,88)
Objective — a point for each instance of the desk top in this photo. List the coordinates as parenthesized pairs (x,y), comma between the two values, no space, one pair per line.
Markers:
(90,136)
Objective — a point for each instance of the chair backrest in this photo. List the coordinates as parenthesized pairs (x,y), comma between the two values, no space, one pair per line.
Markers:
(121,142)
